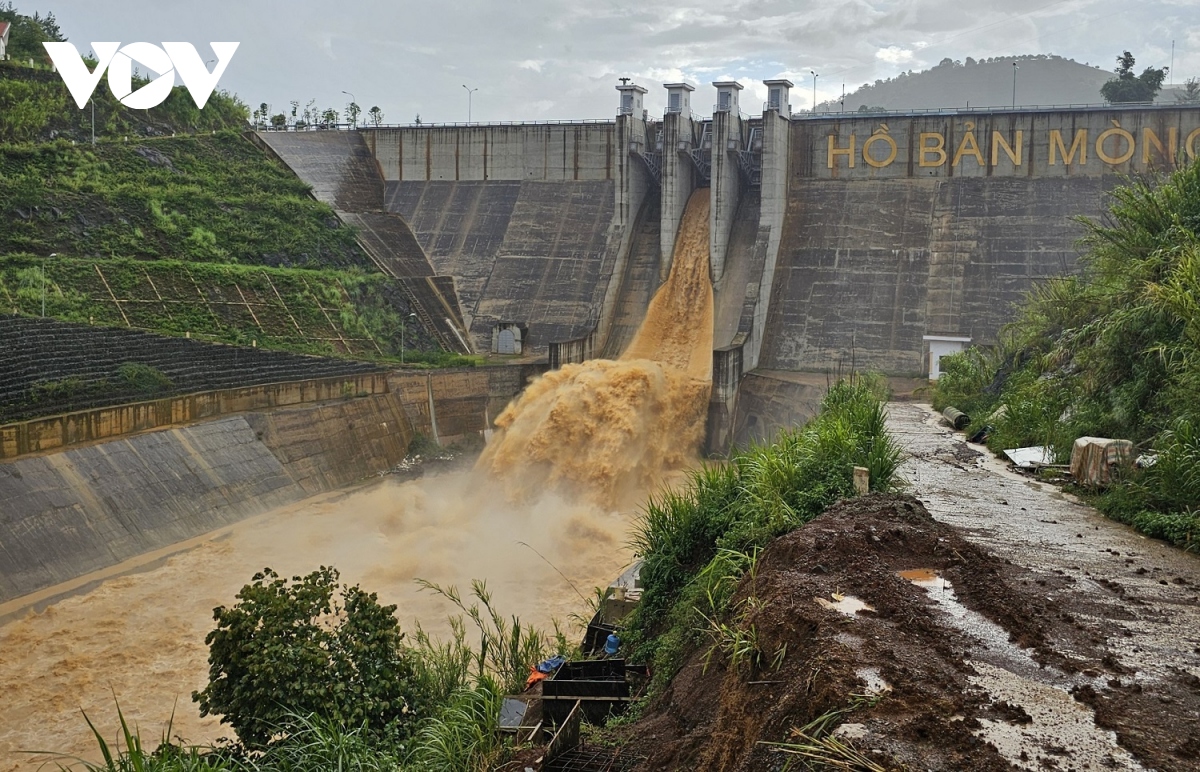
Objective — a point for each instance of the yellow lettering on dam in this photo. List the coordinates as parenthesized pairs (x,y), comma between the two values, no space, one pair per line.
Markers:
(1114,146)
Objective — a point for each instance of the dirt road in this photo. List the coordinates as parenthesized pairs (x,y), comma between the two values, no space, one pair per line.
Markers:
(1122,599)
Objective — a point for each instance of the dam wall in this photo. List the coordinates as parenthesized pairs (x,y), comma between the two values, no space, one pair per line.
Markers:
(343,173)
(903,227)
(528,219)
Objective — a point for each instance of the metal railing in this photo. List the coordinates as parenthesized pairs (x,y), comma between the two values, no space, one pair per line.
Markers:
(809,115)
(424,125)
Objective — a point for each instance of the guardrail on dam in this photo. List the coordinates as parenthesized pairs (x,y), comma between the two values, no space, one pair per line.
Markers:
(836,241)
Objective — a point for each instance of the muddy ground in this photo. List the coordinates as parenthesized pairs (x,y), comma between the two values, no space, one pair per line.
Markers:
(1009,627)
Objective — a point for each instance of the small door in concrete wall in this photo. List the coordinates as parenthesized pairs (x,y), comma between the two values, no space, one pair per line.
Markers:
(507,343)
(942,346)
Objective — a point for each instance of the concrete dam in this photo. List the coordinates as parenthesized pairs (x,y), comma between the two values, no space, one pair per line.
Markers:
(876,242)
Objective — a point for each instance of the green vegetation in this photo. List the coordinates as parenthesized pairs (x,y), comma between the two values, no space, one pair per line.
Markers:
(35,104)
(1127,87)
(326,312)
(287,650)
(27,34)
(312,684)
(697,543)
(200,199)
(1114,352)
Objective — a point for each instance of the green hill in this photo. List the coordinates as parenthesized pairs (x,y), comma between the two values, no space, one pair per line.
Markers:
(1042,79)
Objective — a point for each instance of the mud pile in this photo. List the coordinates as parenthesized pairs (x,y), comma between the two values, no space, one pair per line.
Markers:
(609,430)
(876,598)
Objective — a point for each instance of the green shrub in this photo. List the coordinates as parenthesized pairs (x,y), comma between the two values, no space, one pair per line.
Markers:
(143,377)
(289,649)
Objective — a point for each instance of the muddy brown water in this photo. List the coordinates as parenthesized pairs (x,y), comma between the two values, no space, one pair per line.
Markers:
(557,488)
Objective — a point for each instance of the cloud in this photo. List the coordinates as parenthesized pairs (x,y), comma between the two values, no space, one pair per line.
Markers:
(894,55)
(561,58)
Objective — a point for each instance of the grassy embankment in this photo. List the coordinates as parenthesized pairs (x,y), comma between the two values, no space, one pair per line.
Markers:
(696,542)
(1113,352)
(196,234)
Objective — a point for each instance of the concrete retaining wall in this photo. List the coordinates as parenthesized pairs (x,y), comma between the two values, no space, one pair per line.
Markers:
(60,431)
(450,405)
(67,513)
(81,510)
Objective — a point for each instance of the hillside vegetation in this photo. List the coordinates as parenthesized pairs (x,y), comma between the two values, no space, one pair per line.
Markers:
(1041,80)
(1114,352)
(204,199)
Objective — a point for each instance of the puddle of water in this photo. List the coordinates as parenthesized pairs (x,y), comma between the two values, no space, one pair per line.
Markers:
(873,679)
(919,575)
(993,637)
(845,604)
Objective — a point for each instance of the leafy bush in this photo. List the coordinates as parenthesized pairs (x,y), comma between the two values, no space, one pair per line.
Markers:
(143,377)
(289,649)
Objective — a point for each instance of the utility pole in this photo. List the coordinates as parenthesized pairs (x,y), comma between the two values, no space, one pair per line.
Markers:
(52,254)
(814,74)
(843,107)
(92,99)
(1171,71)
(1015,68)
(470,91)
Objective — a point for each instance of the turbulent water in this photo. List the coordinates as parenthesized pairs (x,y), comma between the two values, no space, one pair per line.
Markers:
(608,430)
(573,456)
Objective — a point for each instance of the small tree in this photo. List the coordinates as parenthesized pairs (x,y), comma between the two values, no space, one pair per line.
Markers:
(352,113)
(329,117)
(1127,87)
(376,116)
(279,121)
(288,649)
(1191,92)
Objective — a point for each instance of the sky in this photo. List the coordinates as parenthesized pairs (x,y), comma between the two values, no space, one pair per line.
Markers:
(531,60)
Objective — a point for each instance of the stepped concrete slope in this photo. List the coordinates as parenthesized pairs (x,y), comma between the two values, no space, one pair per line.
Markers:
(343,172)
(39,353)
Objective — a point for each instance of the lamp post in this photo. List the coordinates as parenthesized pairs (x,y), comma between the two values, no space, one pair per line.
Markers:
(470,91)
(44,259)
(354,102)
(814,74)
(1015,68)
(403,324)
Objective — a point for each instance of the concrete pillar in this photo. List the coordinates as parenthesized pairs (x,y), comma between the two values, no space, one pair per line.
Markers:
(632,179)
(773,207)
(726,182)
(678,180)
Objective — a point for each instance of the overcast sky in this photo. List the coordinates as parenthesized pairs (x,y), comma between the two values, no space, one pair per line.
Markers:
(560,59)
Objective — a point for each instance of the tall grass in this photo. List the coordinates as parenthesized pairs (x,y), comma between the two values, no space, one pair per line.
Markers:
(695,542)
(1114,352)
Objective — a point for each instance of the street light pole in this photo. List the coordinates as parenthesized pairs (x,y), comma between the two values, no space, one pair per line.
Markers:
(814,74)
(470,91)
(1015,68)
(354,102)
(44,259)
(93,101)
